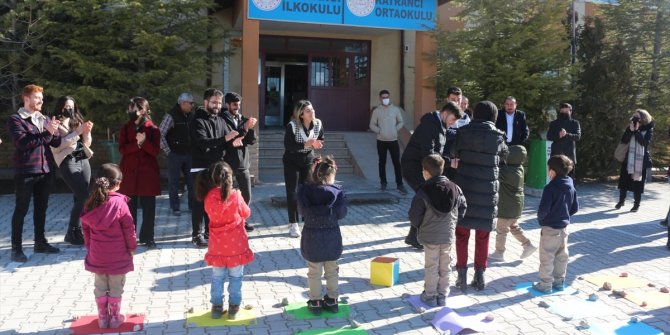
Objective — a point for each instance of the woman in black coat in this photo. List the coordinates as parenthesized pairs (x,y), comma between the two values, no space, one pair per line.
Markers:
(634,168)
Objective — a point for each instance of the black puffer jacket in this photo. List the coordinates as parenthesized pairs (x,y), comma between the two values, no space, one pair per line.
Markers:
(429,137)
(480,148)
(321,206)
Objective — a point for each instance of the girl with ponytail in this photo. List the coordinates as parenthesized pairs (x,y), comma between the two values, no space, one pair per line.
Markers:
(109,237)
(228,249)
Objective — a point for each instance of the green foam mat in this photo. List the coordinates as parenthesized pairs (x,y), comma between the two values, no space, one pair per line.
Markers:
(300,311)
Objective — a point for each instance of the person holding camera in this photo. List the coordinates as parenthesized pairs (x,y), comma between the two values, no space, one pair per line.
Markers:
(634,167)
(72,156)
(139,144)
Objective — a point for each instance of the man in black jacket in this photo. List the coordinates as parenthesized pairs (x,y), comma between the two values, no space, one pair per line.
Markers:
(429,137)
(210,137)
(513,123)
(564,132)
(238,156)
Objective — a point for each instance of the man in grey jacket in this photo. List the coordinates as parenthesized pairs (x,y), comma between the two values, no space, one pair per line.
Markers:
(385,122)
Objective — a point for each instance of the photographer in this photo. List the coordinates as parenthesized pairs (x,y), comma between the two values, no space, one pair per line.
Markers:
(72,156)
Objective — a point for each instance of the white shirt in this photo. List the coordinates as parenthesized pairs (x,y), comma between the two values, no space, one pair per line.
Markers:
(510,126)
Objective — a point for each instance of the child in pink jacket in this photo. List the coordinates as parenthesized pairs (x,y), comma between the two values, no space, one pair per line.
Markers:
(109,237)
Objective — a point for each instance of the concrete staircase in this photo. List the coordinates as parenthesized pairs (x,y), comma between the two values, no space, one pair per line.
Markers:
(271,150)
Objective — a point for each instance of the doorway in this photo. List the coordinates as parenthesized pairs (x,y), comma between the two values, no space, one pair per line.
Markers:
(285,85)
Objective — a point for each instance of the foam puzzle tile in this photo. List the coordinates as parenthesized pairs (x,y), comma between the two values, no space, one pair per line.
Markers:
(300,312)
(618,283)
(652,299)
(527,287)
(203,318)
(89,325)
(623,328)
(448,320)
(576,308)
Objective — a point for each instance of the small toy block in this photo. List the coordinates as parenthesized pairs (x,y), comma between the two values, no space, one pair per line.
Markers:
(384,271)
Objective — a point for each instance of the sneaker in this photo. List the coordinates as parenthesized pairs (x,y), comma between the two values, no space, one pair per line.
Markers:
(539,287)
(199,241)
(528,250)
(19,256)
(45,248)
(402,189)
(635,208)
(293,230)
(315,306)
(217,311)
(414,244)
(558,286)
(232,311)
(497,256)
(330,304)
(383,187)
(430,300)
(176,212)
(442,299)
(248,227)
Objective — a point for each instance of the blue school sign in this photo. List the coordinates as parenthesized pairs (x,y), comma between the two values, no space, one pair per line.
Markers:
(392,14)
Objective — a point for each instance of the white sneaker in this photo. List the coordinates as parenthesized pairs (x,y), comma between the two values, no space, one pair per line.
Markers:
(528,250)
(293,230)
(497,256)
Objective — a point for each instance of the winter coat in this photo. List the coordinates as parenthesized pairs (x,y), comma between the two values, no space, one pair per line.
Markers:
(558,203)
(109,236)
(480,148)
(435,210)
(386,121)
(321,207)
(228,241)
(238,157)
(429,137)
(139,165)
(626,182)
(566,145)
(511,197)
(519,129)
(31,142)
(208,141)
(70,139)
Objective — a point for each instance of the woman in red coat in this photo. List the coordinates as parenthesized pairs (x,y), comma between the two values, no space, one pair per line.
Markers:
(139,144)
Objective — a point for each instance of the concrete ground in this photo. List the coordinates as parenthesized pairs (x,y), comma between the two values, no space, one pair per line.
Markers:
(44,294)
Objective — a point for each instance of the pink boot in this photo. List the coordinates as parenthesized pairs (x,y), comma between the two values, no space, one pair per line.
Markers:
(103,312)
(115,317)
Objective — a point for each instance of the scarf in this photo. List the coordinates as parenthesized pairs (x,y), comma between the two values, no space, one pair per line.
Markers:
(635,158)
(301,136)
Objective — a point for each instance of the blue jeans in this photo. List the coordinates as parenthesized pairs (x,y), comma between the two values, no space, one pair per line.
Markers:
(179,164)
(234,286)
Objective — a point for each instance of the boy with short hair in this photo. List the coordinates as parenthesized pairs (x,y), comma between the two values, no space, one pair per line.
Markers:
(436,208)
(558,204)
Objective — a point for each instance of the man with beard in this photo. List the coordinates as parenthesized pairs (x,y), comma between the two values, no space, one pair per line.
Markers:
(564,132)
(32,134)
(238,156)
(209,140)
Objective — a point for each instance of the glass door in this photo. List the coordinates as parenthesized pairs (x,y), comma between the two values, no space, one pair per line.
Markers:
(274,95)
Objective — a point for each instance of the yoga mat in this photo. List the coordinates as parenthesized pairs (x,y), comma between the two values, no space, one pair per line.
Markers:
(528,287)
(458,301)
(89,325)
(446,319)
(618,283)
(578,308)
(300,311)
(203,318)
(654,299)
(344,331)
(623,328)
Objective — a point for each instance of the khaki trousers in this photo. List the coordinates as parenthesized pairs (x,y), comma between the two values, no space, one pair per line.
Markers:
(314,272)
(503,227)
(437,269)
(109,283)
(553,255)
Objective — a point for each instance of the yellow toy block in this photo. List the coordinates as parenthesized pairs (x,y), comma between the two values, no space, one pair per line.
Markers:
(384,271)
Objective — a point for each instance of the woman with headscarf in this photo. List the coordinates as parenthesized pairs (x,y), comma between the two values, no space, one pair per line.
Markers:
(634,167)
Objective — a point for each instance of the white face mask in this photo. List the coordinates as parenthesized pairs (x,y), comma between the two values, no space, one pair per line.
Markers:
(386,101)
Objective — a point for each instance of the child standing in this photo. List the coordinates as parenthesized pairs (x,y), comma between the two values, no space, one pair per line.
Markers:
(109,237)
(510,204)
(322,204)
(558,203)
(228,250)
(436,208)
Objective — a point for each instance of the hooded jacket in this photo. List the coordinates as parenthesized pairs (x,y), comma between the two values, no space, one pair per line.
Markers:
(228,241)
(511,197)
(429,137)
(321,207)
(558,203)
(435,210)
(109,236)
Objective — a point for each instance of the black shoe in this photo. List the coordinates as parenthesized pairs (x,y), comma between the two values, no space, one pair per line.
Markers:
(151,245)
(462,281)
(635,208)
(330,304)
(663,223)
(315,306)
(414,244)
(199,241)
(217,311)
(74,236)
(383,187)
(232,311)
(45,248)
(248,227)
(478,280)
(19,256)
(402,189)
(618,205)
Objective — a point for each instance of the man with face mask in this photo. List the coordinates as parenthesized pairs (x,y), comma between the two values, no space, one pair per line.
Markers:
(564,132)
(385,122)
(209,139)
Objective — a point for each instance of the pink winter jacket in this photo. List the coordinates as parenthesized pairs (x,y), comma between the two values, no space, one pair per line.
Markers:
(109,236)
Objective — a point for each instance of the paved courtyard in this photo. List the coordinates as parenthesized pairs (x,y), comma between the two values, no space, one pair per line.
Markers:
(44,294)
